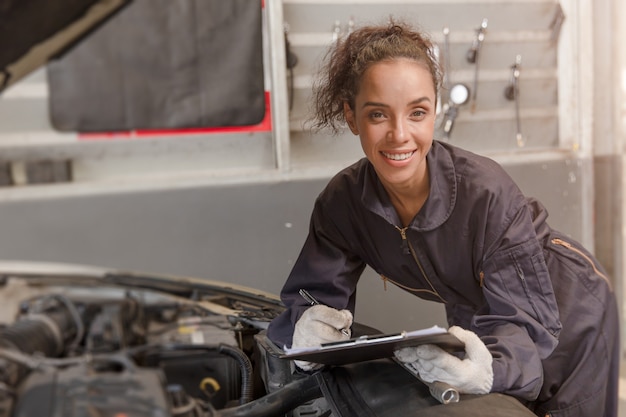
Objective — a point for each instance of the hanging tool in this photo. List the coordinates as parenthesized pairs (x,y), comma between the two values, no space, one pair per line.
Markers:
(557,23)
(443,56)
(351,24)
(459,94)
(446,66)
(511,92)
(473,57)
(292,61)
(336,30)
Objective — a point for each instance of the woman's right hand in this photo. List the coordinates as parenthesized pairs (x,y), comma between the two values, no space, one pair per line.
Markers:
(320,324)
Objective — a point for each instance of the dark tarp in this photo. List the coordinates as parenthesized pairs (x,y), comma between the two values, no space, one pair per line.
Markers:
(32,31)
(161,64)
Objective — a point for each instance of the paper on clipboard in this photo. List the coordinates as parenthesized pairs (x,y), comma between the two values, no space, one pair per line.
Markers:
(371,347)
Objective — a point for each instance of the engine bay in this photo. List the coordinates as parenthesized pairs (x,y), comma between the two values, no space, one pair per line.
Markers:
(69,349)
(90,342)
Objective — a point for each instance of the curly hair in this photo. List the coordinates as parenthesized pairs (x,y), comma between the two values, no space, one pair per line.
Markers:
(344,65)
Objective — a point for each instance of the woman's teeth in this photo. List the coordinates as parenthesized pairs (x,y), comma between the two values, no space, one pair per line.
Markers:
(398,156)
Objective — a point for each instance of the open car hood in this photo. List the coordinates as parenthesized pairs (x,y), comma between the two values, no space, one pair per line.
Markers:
(216,297)
(34,31)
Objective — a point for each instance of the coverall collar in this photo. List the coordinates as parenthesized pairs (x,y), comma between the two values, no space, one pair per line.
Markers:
(441,199)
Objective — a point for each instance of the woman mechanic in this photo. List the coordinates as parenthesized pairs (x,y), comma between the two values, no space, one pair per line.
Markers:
(535,310)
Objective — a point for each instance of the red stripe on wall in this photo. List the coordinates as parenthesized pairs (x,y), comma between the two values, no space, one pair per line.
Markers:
(264,126)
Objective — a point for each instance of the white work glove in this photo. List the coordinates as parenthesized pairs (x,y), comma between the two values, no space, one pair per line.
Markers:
(470,375)
(320,324)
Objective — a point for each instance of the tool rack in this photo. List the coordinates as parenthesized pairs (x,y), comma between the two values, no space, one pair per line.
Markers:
(552,38)
(533,46)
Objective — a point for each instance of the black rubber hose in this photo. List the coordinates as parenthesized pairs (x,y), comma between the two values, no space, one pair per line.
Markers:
(278,402)
(245,365)
(247,391)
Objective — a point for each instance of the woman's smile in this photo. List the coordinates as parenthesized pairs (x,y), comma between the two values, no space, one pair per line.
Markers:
(403,156)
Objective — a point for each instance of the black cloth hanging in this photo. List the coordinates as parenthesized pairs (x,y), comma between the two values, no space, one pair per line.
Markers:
(163,64)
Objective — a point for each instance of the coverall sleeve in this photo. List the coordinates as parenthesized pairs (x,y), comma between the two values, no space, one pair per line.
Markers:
(326,267)
(520,322)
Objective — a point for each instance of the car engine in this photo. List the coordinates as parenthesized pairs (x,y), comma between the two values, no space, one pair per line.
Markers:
(125,350)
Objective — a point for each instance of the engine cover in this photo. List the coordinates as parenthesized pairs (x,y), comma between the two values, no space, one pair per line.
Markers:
(111,389)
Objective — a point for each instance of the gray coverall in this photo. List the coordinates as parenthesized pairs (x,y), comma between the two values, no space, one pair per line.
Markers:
(539,301)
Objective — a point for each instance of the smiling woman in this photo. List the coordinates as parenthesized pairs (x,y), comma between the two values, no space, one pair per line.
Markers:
(535,310)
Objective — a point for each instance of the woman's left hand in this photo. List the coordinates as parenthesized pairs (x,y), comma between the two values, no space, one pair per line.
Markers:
(470,375)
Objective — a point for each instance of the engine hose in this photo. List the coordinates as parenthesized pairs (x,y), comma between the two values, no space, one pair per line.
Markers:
(247,391)
(244,364)
(47,330)
(35,333)
(278,402)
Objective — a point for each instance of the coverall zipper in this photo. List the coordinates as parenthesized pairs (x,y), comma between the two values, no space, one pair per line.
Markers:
(569,246)
(407,244)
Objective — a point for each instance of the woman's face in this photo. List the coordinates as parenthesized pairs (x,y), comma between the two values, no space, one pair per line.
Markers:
(394,116)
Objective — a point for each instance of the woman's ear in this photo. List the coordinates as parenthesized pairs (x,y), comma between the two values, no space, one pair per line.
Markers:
(348,114)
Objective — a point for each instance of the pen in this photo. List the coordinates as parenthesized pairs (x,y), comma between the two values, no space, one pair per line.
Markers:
(309,298)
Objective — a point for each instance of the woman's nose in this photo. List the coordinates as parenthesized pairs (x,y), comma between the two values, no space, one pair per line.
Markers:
(397,131)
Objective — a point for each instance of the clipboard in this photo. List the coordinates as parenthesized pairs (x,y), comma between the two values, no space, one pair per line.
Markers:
(370,347)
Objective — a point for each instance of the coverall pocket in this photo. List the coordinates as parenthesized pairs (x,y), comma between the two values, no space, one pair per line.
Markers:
(519,275)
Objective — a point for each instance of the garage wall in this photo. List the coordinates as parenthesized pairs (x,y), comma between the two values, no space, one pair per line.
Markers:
(249,234)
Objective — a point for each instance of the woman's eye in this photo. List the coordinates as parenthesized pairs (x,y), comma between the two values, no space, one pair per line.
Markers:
(376,115)
(419,113)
